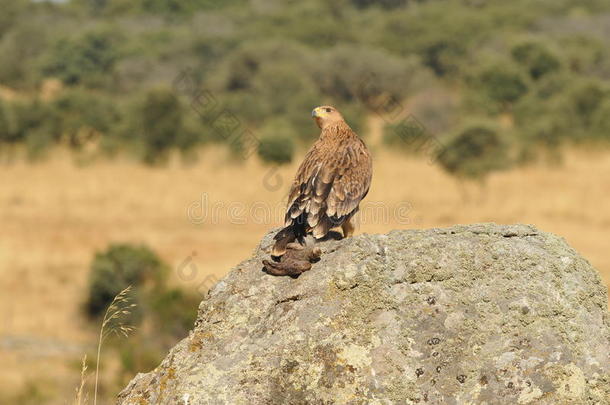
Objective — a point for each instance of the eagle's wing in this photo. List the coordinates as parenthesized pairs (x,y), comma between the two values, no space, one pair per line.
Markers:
(329,185)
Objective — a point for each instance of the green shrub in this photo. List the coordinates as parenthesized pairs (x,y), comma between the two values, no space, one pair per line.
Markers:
(474,152)
(276,149)
(24,43)
(348,73)
(88,58)
(290,94)
(536,58)
(136,354)
(417,31)
(28,122)
(442,55)
(20,119)
(156,124)
(175,312)
(583,54)
(584,99)
(502,83)
(7,123)
(382,3)
(11,11)
(82,115)
(116,268)
(601,121)
(540,123)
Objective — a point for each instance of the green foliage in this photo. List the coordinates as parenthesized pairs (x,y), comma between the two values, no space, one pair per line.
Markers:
(29,122)
(170,8)
(8,123)
(503,84)
(24,43)
(584,54)
(11,10)
(538,60)
(158,124)
(116,268)
(175,312)
(276,143)
(382,3)
(82,115)
(474,152)
(355,115)
(163,313)
(85,59)
(601,121)
(440,33)
(277,149)
(264,61)
(351,73)
(584,99)
(137,354)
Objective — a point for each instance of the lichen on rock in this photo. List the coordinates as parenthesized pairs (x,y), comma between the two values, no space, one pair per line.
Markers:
(478,314)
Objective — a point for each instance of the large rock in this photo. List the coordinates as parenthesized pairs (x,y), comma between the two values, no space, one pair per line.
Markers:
(480,314)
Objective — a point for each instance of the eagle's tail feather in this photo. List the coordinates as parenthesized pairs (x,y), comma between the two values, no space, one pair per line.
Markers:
(283,238)
(288,234)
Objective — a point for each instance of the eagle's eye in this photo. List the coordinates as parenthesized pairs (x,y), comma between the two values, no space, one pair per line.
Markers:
(328,110)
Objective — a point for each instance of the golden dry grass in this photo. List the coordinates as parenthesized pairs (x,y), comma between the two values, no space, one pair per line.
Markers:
(54,217)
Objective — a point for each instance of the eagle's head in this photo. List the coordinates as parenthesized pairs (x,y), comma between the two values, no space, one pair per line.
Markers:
(325,115)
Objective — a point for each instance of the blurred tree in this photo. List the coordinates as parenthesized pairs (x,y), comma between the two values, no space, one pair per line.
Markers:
(382,3)
(585,98)
(355,54)
(577,109)
(288,92)
(474,152)
(11,10)
(502,83)
(116,268)
(536,58)
(164,314)
(88,58)
(157,124)
(24,43)
(584,54)
(8,124)
(174,312)
(276,143)
(351,73)
(601,120)
(82,116)
(20,118)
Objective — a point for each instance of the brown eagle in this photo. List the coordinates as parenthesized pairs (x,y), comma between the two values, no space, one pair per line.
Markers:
(329,184)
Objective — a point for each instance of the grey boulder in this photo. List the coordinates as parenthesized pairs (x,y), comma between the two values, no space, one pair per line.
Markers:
(478,314)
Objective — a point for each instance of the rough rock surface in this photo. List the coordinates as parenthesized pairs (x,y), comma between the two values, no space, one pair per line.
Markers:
(480,314)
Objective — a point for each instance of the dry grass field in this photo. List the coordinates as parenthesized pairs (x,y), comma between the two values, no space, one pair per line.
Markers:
(54,216)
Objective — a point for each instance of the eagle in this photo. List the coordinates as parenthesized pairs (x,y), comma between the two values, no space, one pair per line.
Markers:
(333,178)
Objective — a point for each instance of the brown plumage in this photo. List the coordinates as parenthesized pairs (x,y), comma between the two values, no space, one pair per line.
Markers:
(329,184)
